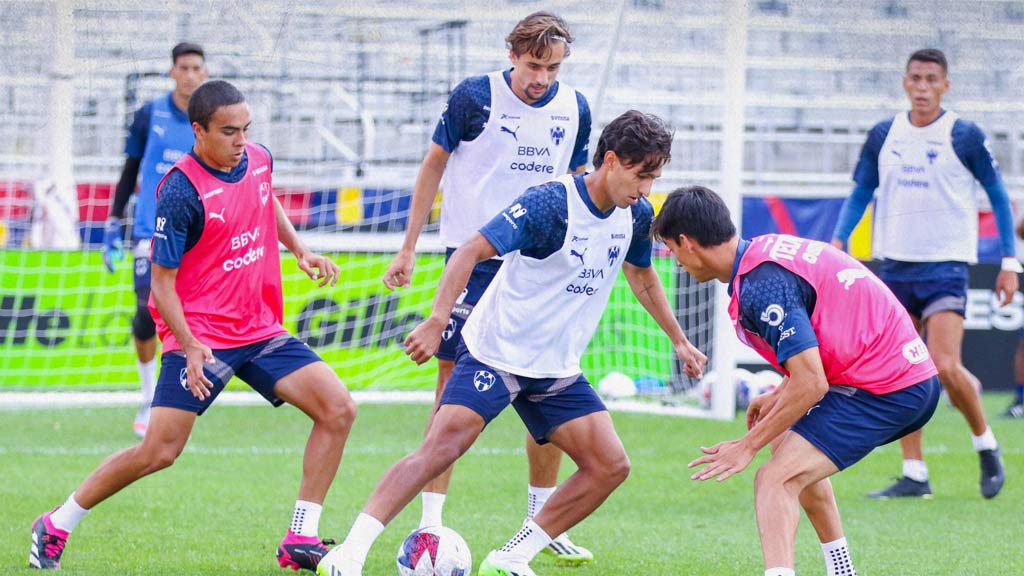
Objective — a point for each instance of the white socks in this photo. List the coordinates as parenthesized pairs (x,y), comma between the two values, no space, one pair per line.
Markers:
(306,518)
(780,572)
(530,540)
(536,498)
(147,375)
(987,440)
(68,515)
(837,558)
(433,504)
(363,534)
(916,470)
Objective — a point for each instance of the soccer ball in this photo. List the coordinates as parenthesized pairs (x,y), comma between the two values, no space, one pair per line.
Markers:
(434,551)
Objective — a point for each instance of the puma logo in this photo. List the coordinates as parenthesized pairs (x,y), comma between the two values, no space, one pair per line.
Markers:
(851,275)
(512,132)
(215,216)
(573,252)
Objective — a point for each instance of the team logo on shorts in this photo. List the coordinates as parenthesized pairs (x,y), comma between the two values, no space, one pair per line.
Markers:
(483,380)
(449,331)
(141,265)
(183,378)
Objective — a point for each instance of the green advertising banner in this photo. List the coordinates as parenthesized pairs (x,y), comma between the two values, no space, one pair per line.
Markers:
(66,322)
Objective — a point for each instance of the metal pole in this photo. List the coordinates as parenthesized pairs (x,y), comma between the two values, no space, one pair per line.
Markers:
(57,200)
(723,398)
(609,63)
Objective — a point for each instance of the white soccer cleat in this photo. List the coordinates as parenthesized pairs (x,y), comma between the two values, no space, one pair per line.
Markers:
(566,553)
(334,563)
(496,564)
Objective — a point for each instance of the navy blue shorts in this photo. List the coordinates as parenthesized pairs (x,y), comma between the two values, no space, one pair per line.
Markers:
(543,404)
(143,327)
(925,297)
(479,280)
(848,423)
(259,365)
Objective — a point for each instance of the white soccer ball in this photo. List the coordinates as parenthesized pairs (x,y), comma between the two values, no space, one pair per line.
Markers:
(434,551)
(616,385)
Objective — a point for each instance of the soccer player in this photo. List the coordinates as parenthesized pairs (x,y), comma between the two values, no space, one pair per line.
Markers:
(500,134)
(924,164)
(565,242)
(159,135)
(218,307)
(853,381)
(1016,407)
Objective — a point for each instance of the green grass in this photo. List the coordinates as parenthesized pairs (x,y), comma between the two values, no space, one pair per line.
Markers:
(222,508)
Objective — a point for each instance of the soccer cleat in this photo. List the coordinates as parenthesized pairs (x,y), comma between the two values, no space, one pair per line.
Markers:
(904,488)
(47,544)
(139,428)
(492,566)
(334,563)
(1014,411)
(297,552)
(992,475)
(566,553)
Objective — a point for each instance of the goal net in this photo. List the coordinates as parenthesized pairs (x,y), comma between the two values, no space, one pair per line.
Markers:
(347,99)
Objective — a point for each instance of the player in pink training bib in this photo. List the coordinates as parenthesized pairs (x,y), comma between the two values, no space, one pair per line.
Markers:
(216,300)
(857,375)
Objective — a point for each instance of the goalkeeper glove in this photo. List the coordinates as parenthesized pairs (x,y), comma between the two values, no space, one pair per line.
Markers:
(113,246)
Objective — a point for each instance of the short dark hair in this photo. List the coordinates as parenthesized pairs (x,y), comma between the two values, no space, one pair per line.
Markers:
(537,33)
(929,55)
(209,97)
(186,48)
(696,212)
(636,137)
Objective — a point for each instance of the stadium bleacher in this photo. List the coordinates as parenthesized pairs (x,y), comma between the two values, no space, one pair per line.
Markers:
(347,95)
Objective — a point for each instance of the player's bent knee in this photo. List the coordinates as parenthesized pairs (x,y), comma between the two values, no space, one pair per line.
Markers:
(143,326)
(160,457)
(341,414)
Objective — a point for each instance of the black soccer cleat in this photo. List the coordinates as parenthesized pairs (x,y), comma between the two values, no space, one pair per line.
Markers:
(47,544)
(904,488)
(1014,411)
(301,552)
(992,474)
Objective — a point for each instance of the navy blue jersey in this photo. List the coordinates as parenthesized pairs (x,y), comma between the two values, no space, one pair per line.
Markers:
(544,214)
(468,110)
(777,305)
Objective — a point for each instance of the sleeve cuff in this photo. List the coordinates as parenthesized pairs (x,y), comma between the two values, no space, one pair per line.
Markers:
(1011,264)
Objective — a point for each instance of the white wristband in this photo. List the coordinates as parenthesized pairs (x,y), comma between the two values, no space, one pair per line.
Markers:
(1011,264)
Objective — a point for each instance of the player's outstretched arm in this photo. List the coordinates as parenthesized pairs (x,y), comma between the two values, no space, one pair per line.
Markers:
(169,305)
(422,342)
(778,411)
(647,288)
(428,182)
(314,265)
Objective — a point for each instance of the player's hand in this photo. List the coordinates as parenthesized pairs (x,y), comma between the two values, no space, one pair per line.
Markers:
(196,355)
(422,343)
(399,272)
(723,460)
(693,359)
(326,271)
(113,245)
(1006,286)
(836,242)
(759,406)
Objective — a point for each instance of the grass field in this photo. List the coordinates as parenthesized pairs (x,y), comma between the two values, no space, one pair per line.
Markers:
(222,508)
